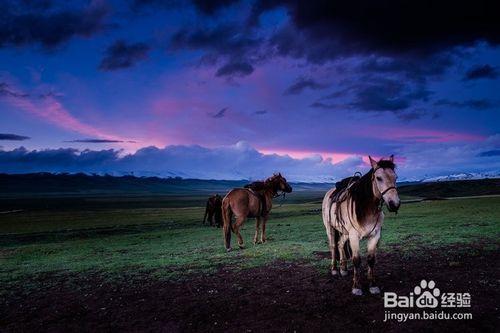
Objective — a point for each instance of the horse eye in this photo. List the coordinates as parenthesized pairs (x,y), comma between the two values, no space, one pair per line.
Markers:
(379,179)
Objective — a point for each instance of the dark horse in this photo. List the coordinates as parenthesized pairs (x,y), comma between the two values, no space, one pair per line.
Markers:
(214,209)
(353,212)
(255,200)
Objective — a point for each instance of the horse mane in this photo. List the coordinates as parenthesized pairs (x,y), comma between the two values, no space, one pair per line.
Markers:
(362,194)
(260,185)
(386,164)
(362,191)
(256,186)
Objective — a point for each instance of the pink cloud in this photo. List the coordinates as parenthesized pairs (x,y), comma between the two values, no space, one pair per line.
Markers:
(421,135)
(301,154)
(52,111)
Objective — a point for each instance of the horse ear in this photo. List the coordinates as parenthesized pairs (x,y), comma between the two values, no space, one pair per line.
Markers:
(391,158)
(372,162)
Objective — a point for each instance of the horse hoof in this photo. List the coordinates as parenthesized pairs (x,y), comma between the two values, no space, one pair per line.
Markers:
(241,246)
(229,249)
(374,290)
(357,292)
(343,273)
(334,272)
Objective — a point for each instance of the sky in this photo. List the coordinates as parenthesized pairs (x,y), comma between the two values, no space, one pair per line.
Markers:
(231,89)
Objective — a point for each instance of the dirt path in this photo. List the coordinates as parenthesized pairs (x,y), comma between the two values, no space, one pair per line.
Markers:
(283,297)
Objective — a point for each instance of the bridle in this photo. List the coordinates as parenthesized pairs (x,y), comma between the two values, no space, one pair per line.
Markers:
(276,193)
(382,193)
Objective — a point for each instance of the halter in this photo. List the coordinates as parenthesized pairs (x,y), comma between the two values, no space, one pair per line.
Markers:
(382,200)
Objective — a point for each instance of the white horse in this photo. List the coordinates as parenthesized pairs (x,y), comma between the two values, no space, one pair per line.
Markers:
(356,213)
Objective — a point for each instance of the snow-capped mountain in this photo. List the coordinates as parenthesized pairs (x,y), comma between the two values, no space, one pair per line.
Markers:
(463,176)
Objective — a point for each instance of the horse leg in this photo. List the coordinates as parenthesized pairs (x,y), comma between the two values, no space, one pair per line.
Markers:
(356,261)
(206,213)
(236,228)
(257,227)
(263,234)
(332,244)
(343,256)
(372,249)
(211,218)
(226,217)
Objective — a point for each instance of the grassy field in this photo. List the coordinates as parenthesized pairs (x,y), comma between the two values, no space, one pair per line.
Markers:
(171,242)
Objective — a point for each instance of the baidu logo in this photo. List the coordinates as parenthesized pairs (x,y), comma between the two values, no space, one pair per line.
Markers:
(427,295)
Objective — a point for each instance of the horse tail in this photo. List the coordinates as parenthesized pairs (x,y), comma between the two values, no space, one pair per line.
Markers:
(226,216)
(206,212)
(336,239)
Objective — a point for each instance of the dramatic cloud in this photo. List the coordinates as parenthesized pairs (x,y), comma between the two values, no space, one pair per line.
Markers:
(238,50)
(376,94)
(221,40)
(386,27)
(235,69)
(205,7)
(239,161)
(121,55)
(13,137)
(301,84)
(481,72)
(321,105)
(98,141)
(490,153)
(416,69)
(220,114)
(337,78)
(49,109)
(210,7)
(476,104)
(23,25)
(7,91)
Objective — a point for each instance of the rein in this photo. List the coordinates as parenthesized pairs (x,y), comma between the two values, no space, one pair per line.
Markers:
(282,198)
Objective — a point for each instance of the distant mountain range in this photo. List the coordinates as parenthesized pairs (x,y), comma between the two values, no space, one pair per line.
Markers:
(80,184)
(463,176)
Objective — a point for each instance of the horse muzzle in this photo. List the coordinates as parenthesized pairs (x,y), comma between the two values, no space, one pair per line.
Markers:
(393,206)
(288,189)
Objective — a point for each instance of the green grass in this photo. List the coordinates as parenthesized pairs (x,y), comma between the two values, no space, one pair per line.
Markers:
(170,242)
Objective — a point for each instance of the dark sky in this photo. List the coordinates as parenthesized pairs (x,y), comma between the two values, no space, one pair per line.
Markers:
(309,88)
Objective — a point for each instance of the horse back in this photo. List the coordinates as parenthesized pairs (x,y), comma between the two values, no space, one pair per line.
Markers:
(243,202)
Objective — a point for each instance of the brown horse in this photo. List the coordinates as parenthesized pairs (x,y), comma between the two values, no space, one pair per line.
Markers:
(255,200)
(214,209)
(354,213)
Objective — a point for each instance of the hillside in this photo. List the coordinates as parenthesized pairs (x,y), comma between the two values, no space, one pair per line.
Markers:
(449,189)
(84,184)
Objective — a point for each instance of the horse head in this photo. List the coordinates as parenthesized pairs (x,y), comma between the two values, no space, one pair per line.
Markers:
(279,183)
(384,182)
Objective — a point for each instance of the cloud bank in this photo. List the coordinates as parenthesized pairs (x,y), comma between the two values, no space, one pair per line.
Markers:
(241,161)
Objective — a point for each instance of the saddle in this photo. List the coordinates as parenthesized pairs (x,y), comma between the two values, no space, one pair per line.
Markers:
(340,195)
(341,188)
(337,197)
